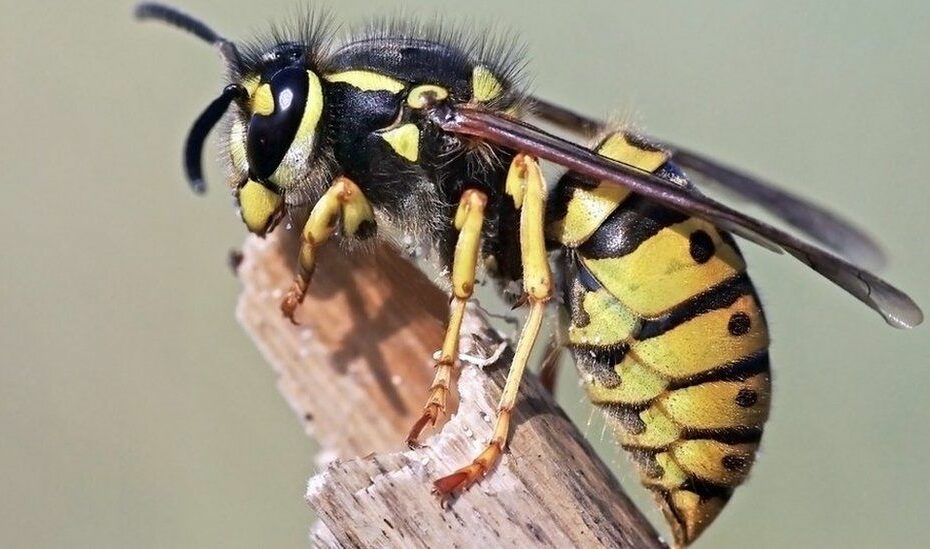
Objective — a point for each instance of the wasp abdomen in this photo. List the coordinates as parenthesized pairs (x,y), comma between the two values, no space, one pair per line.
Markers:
(668,335)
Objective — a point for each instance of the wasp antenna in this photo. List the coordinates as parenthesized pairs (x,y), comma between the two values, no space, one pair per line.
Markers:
(179,19)
(193,147)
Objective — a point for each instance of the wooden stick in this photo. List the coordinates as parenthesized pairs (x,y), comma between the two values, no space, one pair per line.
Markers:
(357,372)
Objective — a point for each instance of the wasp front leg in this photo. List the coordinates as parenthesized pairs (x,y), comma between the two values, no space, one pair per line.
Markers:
(345,201)
(527,187)
(469,220)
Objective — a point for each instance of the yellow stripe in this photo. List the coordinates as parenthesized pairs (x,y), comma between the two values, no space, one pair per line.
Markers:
(585,212)
(314,108)
(661,273)
(705,460)
(639,385)
(610,322)
(367,81)
(672,475)
(715,405)
(291,169)
(660,430)
(704,342)
(620,148)
(588,208)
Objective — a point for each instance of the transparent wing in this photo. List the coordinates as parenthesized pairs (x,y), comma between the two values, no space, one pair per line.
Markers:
(895,307)
(815,221)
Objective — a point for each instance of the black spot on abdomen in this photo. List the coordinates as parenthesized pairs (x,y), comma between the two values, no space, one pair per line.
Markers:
(746,398)
(739,324)
(701,246)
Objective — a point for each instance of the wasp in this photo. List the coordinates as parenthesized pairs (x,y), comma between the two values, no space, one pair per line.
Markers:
(432,136)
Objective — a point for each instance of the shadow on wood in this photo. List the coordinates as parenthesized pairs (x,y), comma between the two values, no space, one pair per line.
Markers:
(357,372)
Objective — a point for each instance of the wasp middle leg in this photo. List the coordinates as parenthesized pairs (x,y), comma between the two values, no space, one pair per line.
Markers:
(469,220)
(527,187)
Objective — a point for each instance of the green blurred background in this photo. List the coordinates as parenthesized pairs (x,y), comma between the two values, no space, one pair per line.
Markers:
(134,412)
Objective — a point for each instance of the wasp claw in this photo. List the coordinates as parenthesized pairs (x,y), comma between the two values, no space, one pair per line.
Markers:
(430,414)
(459,481)
(291,302)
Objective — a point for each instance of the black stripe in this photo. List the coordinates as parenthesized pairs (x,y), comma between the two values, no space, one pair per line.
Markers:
(588,281)
(739,370)
(731,435)
(707,490)
(717,297)
(627,416)
(634,222)
(599,362)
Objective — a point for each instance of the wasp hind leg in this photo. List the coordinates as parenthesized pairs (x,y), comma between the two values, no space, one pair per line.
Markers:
(469,220)
(525,184)
(343,201)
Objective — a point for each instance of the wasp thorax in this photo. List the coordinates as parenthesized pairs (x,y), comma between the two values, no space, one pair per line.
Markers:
(286,110)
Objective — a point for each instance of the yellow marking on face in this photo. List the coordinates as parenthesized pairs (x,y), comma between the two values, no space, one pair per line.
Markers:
(638,385)
(619,147)
(707,460)
(610,322)
(585,212)
(313,109)
(718,404)
(422,96)
(367,81)
(293,165)
(661,273)
(405,140)
(484,85)
(263,100)
(704,342)
(250,83)
(237,151)
(258,205)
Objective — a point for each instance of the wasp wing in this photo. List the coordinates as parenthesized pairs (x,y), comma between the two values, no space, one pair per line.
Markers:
(895,307)
(815,221)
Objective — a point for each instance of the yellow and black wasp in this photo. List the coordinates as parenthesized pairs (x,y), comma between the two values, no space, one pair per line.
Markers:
(430,135)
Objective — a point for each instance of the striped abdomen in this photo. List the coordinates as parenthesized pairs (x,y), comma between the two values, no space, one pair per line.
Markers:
(668,334)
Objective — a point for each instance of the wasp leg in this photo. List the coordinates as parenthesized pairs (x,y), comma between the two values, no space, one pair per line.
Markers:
(468,220)
(525,184)
(345,201)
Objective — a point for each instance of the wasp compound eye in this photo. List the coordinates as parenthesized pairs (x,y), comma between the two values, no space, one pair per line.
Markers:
(278,109)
